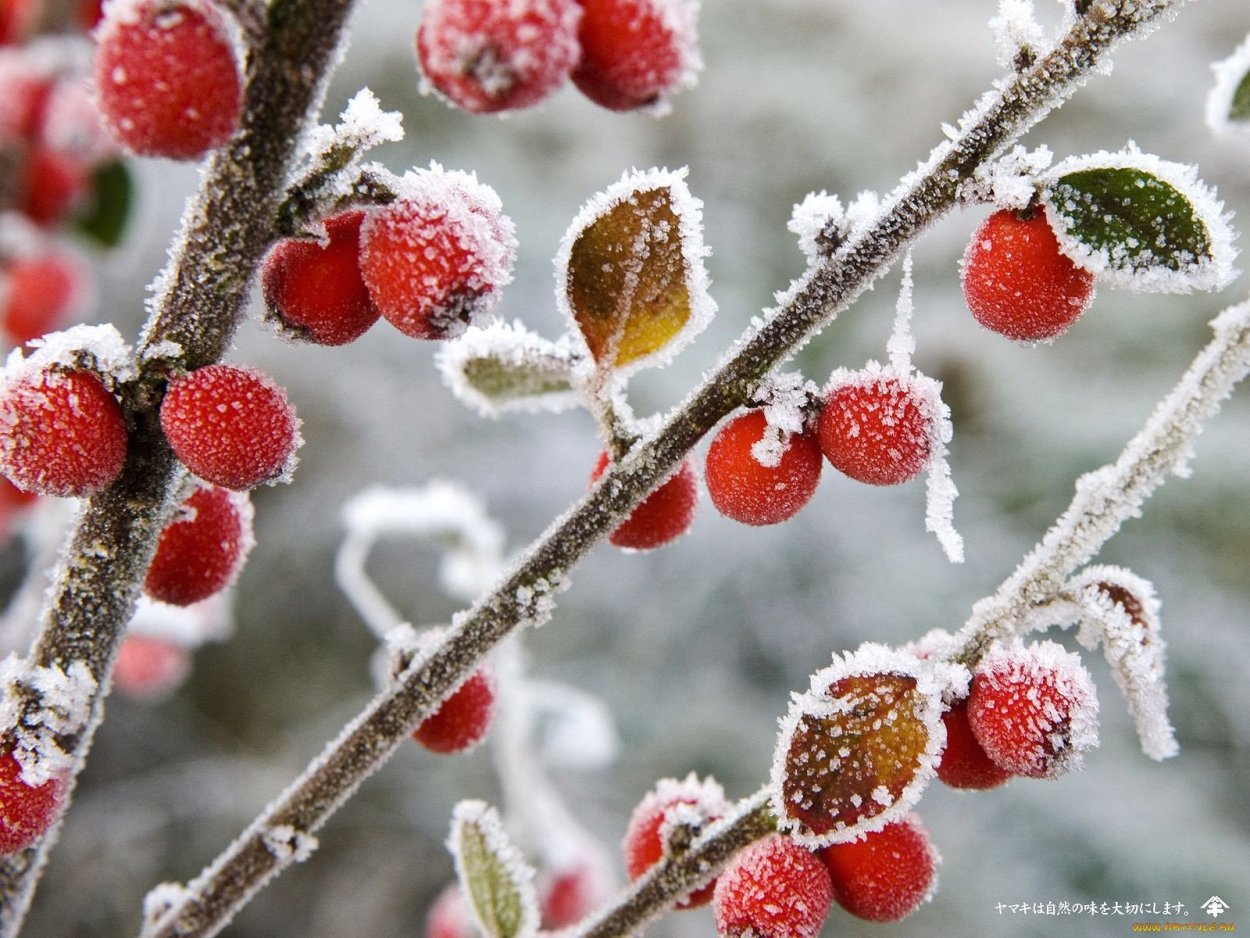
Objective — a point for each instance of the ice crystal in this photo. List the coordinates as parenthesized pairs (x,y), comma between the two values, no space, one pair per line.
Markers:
(1016,32)
(40,704)
(786,398)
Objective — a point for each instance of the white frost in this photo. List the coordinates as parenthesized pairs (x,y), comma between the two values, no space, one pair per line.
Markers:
(786,398)
(287,844)
(99,348)
(1015,29)
(533,359)
(62,707)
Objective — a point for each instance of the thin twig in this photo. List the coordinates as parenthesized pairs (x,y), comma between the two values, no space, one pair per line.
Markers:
(526,594)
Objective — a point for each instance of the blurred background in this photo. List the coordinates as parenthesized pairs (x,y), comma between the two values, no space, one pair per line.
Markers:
(696,648)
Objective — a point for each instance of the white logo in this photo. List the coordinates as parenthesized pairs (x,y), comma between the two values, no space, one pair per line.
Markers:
(1215,906)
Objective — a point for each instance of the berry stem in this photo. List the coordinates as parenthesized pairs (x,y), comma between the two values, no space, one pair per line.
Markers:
(1107,497)
(227,228)
(525,596)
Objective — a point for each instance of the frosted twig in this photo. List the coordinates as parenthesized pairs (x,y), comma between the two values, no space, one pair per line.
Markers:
(524,595)
(201,297)
(1107,497)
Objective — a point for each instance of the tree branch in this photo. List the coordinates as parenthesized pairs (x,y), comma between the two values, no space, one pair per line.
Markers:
(526,594)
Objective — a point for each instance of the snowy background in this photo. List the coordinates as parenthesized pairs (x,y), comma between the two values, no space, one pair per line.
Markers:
(697,647)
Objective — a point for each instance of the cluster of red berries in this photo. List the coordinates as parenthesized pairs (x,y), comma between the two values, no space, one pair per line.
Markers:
(1030,711)
(1018,283)
(168,77)
(430,263)
(873,426)
(26,811)
(777,888)
(486,56)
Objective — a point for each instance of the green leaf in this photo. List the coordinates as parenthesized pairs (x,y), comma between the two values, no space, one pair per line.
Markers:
(503,381)
(112,193)
(1239,110)
(504,367)
(496,880)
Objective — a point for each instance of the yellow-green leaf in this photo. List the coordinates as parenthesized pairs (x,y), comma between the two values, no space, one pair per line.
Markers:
(496,880)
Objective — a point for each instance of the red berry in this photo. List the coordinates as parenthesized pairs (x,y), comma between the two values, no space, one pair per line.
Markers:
(663,516)
(26,812)
(745,489)
(487,56)
(315,290)
(16,20)
(635,53)
(877,429)
(230,426)
(888,874)
(463,719)
(53,184)
(167,77)
(434,259)
(26,84)
(64,433)
(1016,281)
(571,895)
(147,666)
(671,801)
(773,889)
(1034,710)
(39,293)
(964,763)
(202,549)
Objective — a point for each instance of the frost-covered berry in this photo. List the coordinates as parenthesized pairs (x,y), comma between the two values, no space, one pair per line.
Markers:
(745,488)
(486,56)
(148,666)
(39,293)
(435,259)
(672,801)
(964,763)
(203,547)
(774,888)
(1018,283)
(230,426)
(63,433)
(876,429)
(663,516)
(888,874)
(26,812)
(462,719)
(636,53)
(314,290)
(1034,709)
(167,77)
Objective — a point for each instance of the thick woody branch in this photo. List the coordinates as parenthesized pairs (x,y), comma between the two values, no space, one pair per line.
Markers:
(226,230)
(526,594)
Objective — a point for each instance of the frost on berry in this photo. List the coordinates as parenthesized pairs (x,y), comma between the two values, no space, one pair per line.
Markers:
(1018,283)
(486,56)
(504,367)
(637,53)
(887,874)
(743,488)
(856,751)
(314,291)
(663,516)
(167,77)
(630,274)
(1137,221)
(1228,102)
(774,888)
(1120,610)
(672,804)
(495,878)
(877,426)
(435,259)
(202,548)
(1034,709)
(63,431)
(231,426)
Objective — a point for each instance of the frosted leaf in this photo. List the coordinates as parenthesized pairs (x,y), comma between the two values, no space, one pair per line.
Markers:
(857,750)
(1228,102)
(493,874)
(39,704)
(1017,34)
(1140,222)
(1121,612)
(630,275)
(505,367)
(820,222)
(98,348)
(1009,182)
(787,400)
(287,844)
